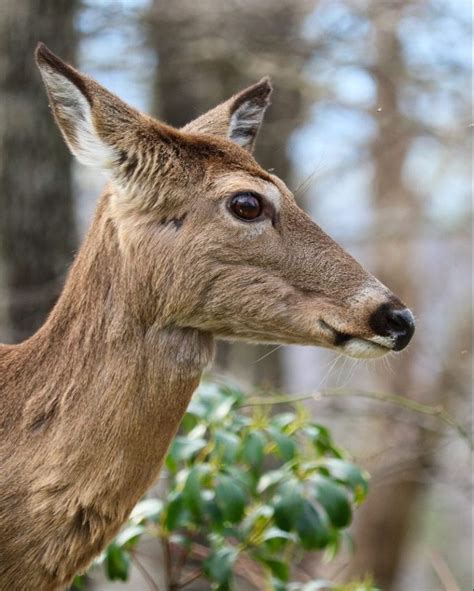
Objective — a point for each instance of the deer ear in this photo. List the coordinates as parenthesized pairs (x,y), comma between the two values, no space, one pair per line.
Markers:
(238,118)
(86,113)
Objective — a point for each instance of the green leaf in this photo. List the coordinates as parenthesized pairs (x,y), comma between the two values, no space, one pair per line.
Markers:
(319,585)
(230,498)
(149,509)
(257,518)
(192,492)
(275,532)
(252,451)
(221,410)
(364,585)
(280,570)
(335,500)
(213,403)
(182,540)
(204,399)
(283,419)
(286,446)
(129,536)
(116,563)
(242,476)
(188,423)
(278,585)
(333,547)
(312,527)
(350,475)
(288,507)
(212,510)
(218,566)
(271,478)
(182,449)
(176,513)
(321,439)
(79,583)
(227,445)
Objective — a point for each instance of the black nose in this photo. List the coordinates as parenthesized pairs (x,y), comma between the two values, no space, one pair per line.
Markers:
(387,321)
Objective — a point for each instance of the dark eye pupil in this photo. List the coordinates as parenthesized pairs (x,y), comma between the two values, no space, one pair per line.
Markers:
(246,206)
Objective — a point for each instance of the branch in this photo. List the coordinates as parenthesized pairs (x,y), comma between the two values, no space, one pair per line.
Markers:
(167,561)
(146,575)
(444,573)
(435,411)
(192,577)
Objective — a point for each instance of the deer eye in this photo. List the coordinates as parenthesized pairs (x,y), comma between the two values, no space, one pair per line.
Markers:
(246,206)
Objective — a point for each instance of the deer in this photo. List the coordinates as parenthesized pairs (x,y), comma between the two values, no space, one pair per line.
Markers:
(192,242)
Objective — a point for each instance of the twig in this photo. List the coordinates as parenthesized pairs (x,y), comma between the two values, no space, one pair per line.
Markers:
(267,354)
(434,411)
(146,575)
(192,577)
(179,565)
(244,567)
(444,573)
(264,400)
(167,561)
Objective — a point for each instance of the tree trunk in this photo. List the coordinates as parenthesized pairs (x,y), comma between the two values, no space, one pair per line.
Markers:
(383,523)
(37,228)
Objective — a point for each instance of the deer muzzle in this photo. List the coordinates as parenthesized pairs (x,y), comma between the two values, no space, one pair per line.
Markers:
(396,324)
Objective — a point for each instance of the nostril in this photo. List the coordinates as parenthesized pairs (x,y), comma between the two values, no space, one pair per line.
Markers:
(395,323)
(399,321)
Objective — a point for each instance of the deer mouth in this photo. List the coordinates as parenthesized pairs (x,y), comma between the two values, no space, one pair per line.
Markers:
(364,348)
(356,346)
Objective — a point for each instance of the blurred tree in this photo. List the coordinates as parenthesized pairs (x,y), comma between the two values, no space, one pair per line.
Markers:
(222,48)
(383,525)
(37,229)
(377,41)
(382,532)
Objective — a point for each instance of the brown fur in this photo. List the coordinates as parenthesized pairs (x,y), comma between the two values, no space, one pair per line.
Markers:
(90,403)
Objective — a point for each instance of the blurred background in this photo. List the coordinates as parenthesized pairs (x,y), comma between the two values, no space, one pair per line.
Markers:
(370,126)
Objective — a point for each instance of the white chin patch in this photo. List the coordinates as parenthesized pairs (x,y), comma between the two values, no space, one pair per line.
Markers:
(361,349)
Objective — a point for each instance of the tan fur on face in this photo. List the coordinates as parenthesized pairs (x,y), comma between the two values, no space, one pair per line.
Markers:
(89,404)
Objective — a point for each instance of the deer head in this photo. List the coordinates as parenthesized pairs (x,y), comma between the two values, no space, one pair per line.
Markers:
(209,239)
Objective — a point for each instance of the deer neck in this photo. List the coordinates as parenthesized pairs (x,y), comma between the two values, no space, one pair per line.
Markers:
(105,388)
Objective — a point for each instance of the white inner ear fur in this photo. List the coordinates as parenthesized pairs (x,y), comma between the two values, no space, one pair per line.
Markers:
(73,106)
(245,122)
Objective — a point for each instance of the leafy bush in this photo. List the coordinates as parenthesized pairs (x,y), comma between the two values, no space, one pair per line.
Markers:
(245,488)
